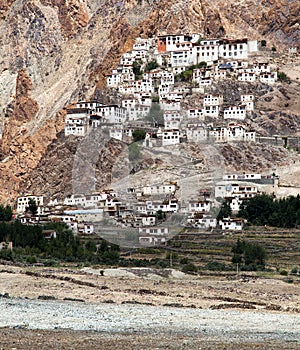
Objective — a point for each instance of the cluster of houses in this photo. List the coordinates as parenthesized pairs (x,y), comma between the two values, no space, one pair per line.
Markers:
(167,70)
(150,210)
(149,74)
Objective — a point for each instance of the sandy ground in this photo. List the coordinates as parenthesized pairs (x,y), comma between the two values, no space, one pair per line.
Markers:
(150,286)
(60,339)
(140,287)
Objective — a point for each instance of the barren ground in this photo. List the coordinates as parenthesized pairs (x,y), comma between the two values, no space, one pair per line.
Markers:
(144,287)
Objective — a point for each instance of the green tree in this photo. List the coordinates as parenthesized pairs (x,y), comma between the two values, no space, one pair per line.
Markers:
(225,211)
(160,215)
(151,65)
(258,209)
(250,256)
(136,67)
(138,135)
(263,43)
(5,213)
(32,207)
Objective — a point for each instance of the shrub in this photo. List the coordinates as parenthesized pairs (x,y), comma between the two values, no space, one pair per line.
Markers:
(31,259)
(184,261)
(189,268)
(162,264)
(216,266)
(294,270)
(172,255)
(283,273)
(263,43)
(282,76)
(137,69)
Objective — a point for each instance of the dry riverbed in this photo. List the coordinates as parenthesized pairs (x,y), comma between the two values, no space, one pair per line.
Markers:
(145,309)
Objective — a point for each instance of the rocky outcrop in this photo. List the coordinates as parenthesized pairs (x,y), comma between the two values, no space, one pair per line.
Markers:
(4,7)
(72,15)
(253,156)
(55,174)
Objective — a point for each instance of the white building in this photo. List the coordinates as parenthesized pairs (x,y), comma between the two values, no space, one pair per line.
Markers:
(248,101)
(114,79)
(112,113)
(171,137)
(157,231)
(229,177)
(247,76)
(199,206)
(238,190)
(77,121)
(231,224)
(195,113)
(159,189)
(268,78)
(170,205)
(211,100)
(211,111)
(206,51)
(235,112)
(202,221)
(171,42)
(196,133)
(233,49)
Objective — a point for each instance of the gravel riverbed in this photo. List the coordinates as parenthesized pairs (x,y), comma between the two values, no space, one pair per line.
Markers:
(115,319)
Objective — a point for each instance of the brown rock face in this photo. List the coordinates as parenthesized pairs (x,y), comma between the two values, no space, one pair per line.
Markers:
(23,153)
(24,110)
(4,7)
(53,174)
(72,15)
(25,107)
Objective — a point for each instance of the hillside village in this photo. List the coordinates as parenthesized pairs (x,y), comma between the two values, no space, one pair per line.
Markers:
(163,88)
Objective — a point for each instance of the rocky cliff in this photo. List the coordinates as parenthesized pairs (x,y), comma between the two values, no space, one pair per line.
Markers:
(54,52)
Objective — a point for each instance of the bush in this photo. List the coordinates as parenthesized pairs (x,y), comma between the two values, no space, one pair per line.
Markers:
(162,264)
(282,76)
(263,43)
(31,260)
(215,266)
(137,69)
(294,270)
(189,268)
(283,273)
(184,261)
(6,254)
(172,255)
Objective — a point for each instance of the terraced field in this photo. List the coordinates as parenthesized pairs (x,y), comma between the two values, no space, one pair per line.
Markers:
(282,246)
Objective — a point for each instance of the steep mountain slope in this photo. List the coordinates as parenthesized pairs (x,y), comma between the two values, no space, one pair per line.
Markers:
(54,52)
